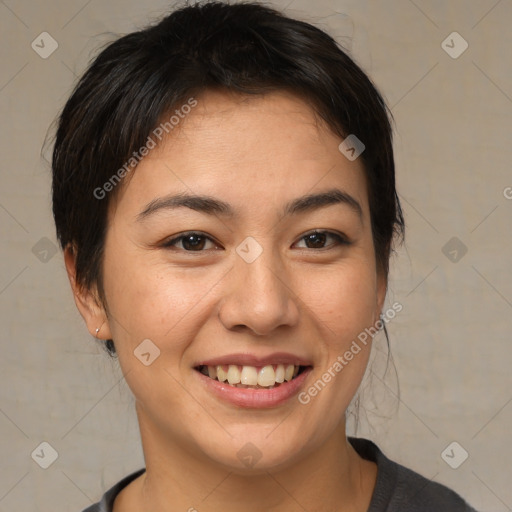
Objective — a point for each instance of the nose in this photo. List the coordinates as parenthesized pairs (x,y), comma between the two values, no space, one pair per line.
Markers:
(260,297)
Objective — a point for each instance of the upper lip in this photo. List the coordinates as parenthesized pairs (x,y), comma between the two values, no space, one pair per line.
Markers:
(254,360)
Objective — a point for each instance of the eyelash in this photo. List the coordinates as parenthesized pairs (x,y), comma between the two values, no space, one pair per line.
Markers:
(341,240)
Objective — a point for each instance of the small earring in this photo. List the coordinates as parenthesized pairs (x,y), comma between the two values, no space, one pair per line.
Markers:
(97,331)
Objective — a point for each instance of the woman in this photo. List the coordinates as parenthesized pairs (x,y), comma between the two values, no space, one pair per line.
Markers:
(224,192)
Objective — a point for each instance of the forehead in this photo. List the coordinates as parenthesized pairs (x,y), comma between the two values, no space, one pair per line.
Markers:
(246,149)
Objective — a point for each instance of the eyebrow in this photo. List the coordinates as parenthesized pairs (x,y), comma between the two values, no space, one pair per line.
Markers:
(212,206)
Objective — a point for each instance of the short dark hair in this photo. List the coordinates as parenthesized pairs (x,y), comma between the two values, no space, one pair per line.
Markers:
(246,48)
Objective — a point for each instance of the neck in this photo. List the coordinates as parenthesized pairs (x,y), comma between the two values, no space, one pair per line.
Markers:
(331,477)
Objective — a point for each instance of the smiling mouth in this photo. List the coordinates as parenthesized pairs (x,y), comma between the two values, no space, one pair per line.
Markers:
(263,377)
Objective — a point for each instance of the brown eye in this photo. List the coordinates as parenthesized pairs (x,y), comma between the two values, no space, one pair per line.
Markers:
(317,239)
(191,242)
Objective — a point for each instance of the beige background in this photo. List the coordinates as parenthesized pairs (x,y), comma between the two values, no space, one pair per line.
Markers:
(451,342)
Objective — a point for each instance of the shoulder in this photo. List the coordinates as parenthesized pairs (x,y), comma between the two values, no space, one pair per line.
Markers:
(107,501)
(398,489)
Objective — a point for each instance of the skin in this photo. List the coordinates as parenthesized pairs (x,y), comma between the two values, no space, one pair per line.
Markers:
(256,154)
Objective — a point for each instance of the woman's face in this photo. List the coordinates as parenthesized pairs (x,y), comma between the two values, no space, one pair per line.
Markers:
(252,288)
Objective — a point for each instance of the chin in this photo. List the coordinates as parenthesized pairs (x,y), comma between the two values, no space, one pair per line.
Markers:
(253,451)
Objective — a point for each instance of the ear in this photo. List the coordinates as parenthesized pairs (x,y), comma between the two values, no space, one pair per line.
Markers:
(87,301)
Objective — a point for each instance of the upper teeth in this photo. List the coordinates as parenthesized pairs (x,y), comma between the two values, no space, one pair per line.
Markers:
(266,376)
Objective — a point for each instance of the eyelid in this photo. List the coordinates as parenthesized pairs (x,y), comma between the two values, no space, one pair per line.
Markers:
(341,238)
(169,243)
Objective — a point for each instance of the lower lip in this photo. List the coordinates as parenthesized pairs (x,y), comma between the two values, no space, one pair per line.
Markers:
(255,398)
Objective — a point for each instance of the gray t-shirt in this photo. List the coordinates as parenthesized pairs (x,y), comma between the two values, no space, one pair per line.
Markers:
(397,489)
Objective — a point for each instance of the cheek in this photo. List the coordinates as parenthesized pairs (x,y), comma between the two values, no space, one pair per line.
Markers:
(343,305)
(168,305)
(151,303)
(342,300)
(163,307)
(150,299)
